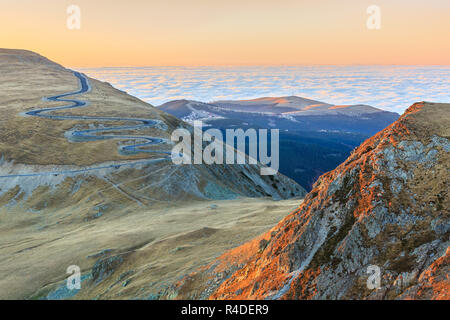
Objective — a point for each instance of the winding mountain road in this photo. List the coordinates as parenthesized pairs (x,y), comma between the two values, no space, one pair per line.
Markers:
(98,134)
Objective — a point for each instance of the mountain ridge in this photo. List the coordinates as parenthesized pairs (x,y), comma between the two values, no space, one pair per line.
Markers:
(320,137)
(77,140)
(289,105)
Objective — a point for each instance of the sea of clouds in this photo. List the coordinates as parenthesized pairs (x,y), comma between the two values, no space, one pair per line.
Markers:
(392,88)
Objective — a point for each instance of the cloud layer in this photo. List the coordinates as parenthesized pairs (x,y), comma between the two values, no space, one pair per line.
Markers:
(392,88)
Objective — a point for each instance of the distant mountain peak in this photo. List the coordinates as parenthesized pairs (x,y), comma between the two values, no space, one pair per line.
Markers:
(269,104)
(289,105)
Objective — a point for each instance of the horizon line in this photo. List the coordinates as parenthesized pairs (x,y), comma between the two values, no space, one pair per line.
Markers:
(264,65)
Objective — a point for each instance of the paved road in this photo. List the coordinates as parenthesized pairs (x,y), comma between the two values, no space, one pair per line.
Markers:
(141,142)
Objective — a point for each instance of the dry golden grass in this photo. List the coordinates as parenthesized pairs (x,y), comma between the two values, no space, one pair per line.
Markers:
(164,243)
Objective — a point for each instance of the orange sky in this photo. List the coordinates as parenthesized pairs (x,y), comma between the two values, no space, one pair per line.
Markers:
(232,32)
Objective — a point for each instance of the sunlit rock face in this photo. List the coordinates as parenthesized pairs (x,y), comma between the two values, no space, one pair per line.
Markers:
(386,207)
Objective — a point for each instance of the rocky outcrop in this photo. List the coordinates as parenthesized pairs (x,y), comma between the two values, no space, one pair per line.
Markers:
(385,208)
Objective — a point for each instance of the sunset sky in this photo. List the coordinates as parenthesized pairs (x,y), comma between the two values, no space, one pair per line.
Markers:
(232,32)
